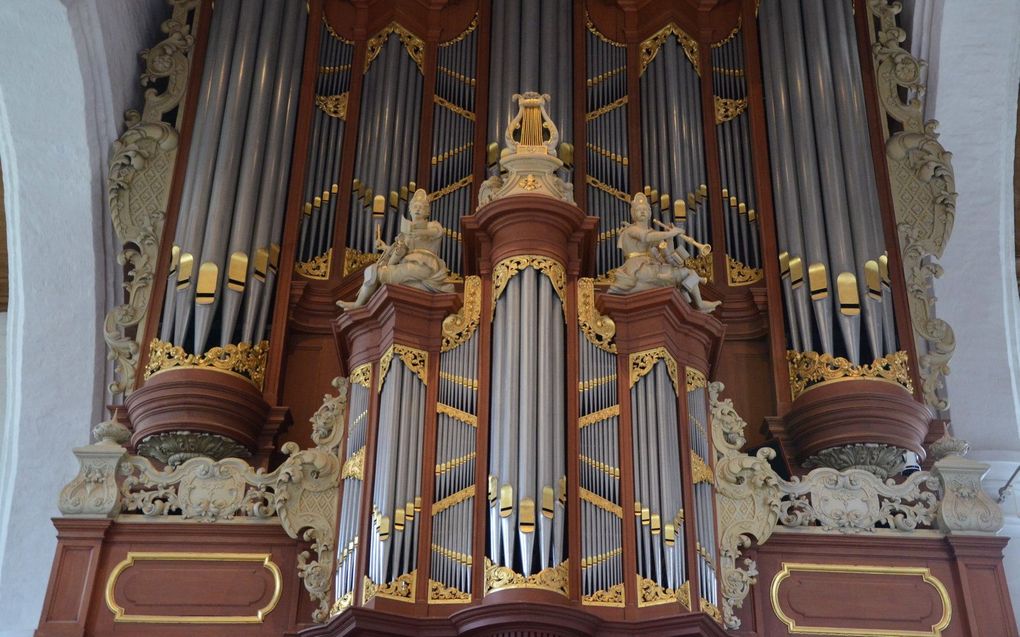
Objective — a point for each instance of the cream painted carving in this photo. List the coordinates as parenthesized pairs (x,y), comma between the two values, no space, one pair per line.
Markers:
(747,500)
(302,494)
(924,195)
(653,260)
(411,259)
(138,185)
(528,164)
(966,508)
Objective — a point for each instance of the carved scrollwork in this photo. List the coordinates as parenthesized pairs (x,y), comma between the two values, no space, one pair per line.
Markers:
(966,507)
(414,45)
(244,359)
(511,267)
(415,360)
(554,578)
(924,194)
(458,328)
(642,363)
(811,368)
(650,47)
(138,185)
(597,328)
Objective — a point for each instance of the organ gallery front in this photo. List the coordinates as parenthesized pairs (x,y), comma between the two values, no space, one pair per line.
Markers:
(529,318)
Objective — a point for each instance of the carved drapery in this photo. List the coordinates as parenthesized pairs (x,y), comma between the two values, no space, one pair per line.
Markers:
(924,195)
(138,185)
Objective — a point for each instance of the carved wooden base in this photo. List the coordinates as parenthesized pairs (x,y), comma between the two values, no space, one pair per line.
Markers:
(856,411)
(198,401)
(868,584)
(522,619)
(160,578)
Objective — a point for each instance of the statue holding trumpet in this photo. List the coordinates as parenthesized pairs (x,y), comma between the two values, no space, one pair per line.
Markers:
(655,260)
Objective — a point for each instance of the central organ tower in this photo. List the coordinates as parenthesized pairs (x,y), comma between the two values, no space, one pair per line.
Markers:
(608,303)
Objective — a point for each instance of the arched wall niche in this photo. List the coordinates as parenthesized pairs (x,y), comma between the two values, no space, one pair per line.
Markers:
(68,70)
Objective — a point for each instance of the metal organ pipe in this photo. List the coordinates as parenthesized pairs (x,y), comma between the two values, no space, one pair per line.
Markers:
(815,102)
(527,34)
(233,196)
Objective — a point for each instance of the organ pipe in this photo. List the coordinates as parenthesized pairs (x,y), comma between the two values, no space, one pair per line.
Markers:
(388,131)
(606,124)
(453,132)
(673,152)
(738,188)
(827,210)
(532,50)
(322,171)
(233,198)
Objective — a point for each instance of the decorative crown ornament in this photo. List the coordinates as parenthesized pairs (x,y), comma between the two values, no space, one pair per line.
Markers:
(528,163)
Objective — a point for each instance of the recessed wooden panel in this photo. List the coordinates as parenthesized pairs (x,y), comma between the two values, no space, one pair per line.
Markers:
(206,588)
(72,570)
(841,599)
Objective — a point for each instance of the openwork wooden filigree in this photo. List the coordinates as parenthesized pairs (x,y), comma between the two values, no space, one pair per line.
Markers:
(415,360)
(244,359)
(808,369)
(459,327)
(613,596)
(317,267)
(301,495)
(924,193)
(333,105)
(439,593)
(597,328)
(650,47)
(651,594)
(642,363)
(414,45)
(553,579)
(509,268)
(355,260)
(727,108)
(738,274)
(138,185)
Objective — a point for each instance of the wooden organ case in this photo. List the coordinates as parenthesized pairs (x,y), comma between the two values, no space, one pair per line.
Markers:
(520,448)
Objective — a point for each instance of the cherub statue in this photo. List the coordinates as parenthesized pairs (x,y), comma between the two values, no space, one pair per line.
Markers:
(411,259)
(654,261)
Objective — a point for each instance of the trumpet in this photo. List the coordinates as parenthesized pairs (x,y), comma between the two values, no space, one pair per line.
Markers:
(703,248)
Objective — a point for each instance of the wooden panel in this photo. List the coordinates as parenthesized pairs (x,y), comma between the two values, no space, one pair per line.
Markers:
(900,600)
(71,573)
(207,587)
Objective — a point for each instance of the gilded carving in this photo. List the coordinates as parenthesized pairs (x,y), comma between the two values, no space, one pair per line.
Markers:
(362,375)
(613,596)
(440,593)
(333,105)
(355,260)
(463,34)
(459,327)
(138,185)
(511,267)
(413,44)
(415,360)
(727,108)
(354,467)
(400,589)
(700,471)
(642,363)
(553,579)
(695,379)
(650,47)
(651,594)
(244,359)
(808,369)
(317,268)
(924,193)
(591,27)
(597,328)
(738,274)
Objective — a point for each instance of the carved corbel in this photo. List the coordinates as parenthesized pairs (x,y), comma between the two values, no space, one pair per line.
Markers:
(966,509)
(747,499)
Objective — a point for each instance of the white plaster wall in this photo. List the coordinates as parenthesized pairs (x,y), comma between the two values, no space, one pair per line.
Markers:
(975,60)
(60,107)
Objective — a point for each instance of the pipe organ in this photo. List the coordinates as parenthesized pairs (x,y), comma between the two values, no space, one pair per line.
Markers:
(519,428)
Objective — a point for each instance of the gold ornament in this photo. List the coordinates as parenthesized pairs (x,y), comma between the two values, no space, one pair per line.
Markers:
(459,327)
(642,363)
(317,268)
(809,369)
(243,359)
(597,328)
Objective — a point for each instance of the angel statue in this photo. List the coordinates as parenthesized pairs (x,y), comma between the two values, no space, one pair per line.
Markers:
(655,261)
(411,259)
